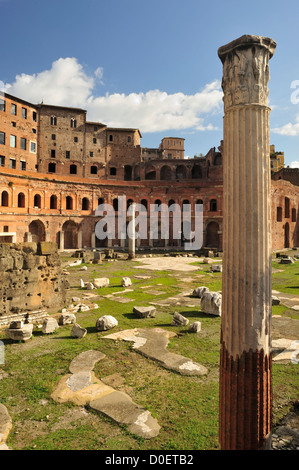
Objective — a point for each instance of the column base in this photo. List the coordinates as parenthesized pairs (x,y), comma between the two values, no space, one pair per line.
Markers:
(245,401)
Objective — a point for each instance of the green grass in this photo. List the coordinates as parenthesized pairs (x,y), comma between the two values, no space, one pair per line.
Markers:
(186,407)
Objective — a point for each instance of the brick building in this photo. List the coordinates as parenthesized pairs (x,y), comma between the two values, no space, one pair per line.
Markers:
(56,168)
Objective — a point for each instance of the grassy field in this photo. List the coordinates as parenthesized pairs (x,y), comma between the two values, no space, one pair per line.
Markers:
(186,407)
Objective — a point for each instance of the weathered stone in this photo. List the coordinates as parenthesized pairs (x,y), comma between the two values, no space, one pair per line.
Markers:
(195,327)
(275,300)
(49,325)
(78,331)
(106,322)
(76,299)
(5,424)
(67,319)
(46,248)
(84,268)
(287,260)
(207,261)
(199,291)
(211,303)
(90,286)
(126,282)
(101,282)
(85,361)
(145,312)
(216,268)
(82,283)
(20,334)
(179,320)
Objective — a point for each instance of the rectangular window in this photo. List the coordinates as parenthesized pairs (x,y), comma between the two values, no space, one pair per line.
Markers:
(53,136)
(24,113)
(34,131)
(94,140)
(13,124)
(2,160)
(2,104)
(91,154)
(23,143)
(32,147)
(12,163)
(67,154)
(13,141)
(22,165)
(2,138)
(34,116)
(13,109)
(53,153)
(75,139)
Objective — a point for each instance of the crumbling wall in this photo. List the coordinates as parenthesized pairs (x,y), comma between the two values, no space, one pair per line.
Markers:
(31,277)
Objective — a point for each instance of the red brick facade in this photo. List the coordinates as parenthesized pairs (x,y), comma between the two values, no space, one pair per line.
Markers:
(78,164)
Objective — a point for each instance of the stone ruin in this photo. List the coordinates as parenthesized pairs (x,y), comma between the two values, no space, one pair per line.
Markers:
(31,279)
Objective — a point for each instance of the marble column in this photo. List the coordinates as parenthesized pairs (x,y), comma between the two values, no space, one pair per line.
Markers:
(245,360)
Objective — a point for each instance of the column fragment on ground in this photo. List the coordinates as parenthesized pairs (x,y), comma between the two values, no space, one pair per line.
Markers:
(245,362)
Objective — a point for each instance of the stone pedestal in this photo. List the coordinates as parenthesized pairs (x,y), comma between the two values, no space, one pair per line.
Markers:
(245,362)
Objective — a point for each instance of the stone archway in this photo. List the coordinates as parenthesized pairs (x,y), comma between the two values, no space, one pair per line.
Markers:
(70,232)
(37,230)
(212,235)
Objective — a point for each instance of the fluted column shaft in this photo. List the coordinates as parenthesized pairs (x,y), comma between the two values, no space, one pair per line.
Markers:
(245,363)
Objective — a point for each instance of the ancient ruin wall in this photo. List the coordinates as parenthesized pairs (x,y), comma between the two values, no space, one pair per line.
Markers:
(31,278)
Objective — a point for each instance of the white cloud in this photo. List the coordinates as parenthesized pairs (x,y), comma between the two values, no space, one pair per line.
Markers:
(291,129)
(294,164)
(66,84)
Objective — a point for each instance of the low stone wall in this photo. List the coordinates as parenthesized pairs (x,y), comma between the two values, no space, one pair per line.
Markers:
(31,278)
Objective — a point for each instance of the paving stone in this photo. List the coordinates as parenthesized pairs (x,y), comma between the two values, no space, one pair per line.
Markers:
(86,361)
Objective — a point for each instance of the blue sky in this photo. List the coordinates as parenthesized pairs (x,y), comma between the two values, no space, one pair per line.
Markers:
(149,64)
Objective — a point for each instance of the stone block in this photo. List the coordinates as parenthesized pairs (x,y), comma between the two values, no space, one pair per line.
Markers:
(47,248)
(101,282)
(67,319)
(199,291)
(126,282)
(20,334)
(106,322)
(211,303)
(49,325)
(145,312)
(78,331)
(179,320)
(195,327)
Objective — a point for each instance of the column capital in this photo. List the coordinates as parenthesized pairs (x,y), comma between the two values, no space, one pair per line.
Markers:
(246,70)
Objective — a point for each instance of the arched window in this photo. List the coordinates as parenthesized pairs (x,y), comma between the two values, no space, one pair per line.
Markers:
(69,203)
(157,204)
(85,204)
(73,169)
(53,120)
(143,202)
(180,172)
(293,215)
(286,207)
(100,201)
(112,171)
(213,205)
(53,202)
(196,172)
(4,199)
(165,173)
(37,201)
(73,123)
(127,173)
(93,170)
(129,202)
(279,214)
(21,200)
(52,168)
(115,204)
(171,202)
